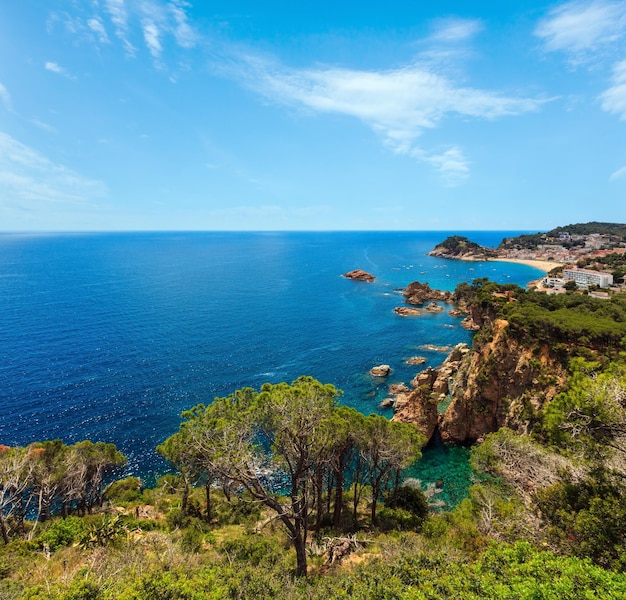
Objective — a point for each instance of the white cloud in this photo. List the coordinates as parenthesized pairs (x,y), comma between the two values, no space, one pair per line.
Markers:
(456,30)
(185,36)
(581,27)
(5,97)
(158,22)
(618,174)
(398,104)
(116,9)
(119,16)
(614,99)
(27,177)
(452,165)
(97,27)
(44,126)
(151,35)
(58,69)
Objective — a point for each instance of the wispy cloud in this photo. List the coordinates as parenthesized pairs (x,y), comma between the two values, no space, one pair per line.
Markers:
(619,174)
(5,97)
(185,35)
(96,25)
(580,28)
(44,126)
(151,35)
(398,104)
(452,165)
(455,30)
(614,98)
(117,12)
(58,69)
(155,22)
(27,176)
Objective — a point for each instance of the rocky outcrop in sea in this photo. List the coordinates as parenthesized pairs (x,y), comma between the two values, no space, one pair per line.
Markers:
(360,275)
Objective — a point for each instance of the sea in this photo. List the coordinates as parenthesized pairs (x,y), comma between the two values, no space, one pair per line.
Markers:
(110,336)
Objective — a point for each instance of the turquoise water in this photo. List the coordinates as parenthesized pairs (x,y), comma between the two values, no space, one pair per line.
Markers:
(111,336)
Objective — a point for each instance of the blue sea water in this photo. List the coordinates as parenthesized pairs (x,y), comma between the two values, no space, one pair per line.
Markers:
(110,336)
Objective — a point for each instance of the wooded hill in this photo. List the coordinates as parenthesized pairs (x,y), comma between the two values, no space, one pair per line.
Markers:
(615,232)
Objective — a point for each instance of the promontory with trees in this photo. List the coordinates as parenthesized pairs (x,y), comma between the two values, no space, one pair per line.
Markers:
(282,492)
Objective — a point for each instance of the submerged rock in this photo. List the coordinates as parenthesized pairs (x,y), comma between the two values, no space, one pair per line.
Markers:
(405,311)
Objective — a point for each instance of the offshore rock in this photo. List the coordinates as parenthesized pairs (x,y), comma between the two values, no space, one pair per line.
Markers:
(433,307)
(405,311)
(418,293)
(415,360)
(360,275)
(381,371)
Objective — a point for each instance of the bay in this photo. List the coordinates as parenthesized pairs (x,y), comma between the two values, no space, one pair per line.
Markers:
(111,336)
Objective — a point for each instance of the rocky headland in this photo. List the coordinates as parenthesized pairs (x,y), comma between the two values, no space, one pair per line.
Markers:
(503,380)
(461,248)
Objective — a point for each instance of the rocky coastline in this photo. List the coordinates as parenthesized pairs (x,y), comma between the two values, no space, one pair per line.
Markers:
(497,382)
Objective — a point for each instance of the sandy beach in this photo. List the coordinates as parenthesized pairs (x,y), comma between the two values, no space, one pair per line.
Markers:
(544,265)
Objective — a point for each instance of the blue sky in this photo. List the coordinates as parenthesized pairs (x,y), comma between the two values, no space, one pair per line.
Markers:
(173,114)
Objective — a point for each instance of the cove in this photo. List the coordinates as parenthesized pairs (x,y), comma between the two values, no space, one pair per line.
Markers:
(109,337)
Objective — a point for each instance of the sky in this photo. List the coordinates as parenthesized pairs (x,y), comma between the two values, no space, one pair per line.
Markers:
(257,115)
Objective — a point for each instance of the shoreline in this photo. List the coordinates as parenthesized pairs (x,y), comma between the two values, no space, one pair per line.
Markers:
(543,265)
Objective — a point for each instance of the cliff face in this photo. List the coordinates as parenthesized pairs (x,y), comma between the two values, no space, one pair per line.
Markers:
(500,383)
(428,388)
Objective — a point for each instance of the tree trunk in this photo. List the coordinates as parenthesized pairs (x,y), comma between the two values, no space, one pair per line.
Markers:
(299,542)
(207,488)
(329,492)
(319,492)
(396,485)
(338,498)
(375,494)
(355,501)
(185,499)
(3,531)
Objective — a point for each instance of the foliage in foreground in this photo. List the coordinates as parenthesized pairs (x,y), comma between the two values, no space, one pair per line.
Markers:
(156,568)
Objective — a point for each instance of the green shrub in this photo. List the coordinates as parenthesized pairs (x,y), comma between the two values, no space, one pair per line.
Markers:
(103,532)
(62,532)
(83,589)
(177,519)
(124,490)
(192,540)
(253,550)
(390,519)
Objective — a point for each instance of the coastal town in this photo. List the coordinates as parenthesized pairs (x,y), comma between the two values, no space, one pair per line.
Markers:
(587,258)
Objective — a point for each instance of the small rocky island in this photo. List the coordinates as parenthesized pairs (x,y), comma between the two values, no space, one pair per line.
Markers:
(360,275)
(417,293)
(461,248)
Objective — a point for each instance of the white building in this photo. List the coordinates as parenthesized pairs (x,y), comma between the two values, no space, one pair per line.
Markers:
(585,277)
